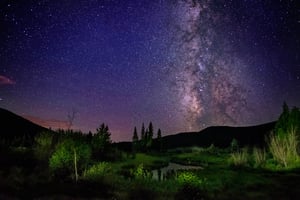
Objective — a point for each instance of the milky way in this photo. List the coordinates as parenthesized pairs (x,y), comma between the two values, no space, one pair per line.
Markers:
(182,64)
(210,80)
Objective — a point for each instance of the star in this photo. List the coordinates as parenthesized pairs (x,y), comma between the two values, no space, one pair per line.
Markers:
(184,65)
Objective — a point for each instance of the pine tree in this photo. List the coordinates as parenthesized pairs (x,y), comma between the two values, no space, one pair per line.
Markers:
(135,137)
(150,130)
(149,136)
(159,139)
(135,140)
(146,139)
(143,137)
(101,140)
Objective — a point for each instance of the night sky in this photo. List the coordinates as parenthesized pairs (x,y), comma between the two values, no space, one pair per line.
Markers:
(182,64)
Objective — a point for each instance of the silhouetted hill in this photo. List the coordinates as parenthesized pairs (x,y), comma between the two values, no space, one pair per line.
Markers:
(221,136)
(12,126)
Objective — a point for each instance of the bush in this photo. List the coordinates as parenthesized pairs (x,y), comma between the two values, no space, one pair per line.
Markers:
(191,186)
(97,171)
(239,158)
(189,178)
(283,147)
(140,172)
(259,156)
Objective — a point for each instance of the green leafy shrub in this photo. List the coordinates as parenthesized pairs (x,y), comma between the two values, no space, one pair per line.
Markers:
(259,156)
(191,186)
(189,178)
(140,172)
(97,171)
(283,147)
(239,158)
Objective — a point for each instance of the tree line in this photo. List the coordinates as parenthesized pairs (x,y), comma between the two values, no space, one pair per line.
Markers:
(68,152)
(147,141)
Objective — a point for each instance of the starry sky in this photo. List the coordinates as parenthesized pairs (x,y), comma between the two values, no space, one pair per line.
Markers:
(182,64)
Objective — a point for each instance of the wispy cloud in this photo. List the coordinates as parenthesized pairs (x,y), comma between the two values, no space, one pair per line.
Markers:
(48,123)
(6,81)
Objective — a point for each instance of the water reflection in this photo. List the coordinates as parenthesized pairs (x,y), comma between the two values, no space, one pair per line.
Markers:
(161,174)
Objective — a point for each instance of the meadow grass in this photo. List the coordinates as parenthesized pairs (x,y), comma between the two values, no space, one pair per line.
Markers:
(259,156)
(283,148)
(239,158)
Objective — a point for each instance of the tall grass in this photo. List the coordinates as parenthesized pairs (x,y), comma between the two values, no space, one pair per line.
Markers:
(97,171)
(283,148)
(259,156)
(239,158)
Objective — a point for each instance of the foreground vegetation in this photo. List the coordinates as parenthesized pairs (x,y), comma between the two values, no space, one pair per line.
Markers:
(69,165)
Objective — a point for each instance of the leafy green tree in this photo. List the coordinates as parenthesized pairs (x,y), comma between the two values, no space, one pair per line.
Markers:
(294,118)
(288,121)
(70,157)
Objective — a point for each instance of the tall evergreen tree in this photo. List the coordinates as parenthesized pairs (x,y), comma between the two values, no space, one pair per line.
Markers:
(135,137)
(143,137)
(143,132)
(146,136)
(145,141)
(101,140)
(149,136)
(159,134)
(159,139)
(135,140)
(150,128)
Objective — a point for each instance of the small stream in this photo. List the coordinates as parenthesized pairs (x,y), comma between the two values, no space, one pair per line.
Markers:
(159,174)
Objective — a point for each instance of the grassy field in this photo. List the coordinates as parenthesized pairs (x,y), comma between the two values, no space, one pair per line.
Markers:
(130,179)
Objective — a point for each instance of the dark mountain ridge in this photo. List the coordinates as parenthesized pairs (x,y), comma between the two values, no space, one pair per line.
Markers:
(221,136)
(12,126)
